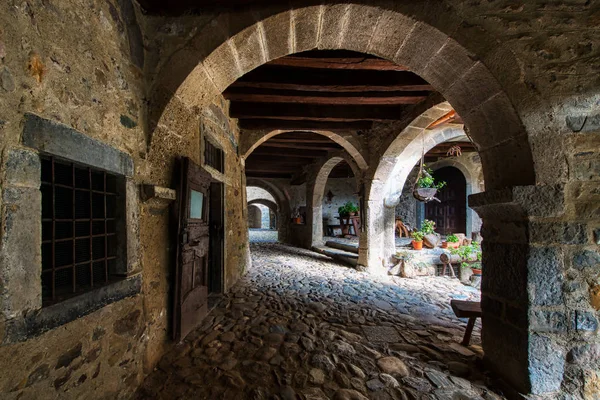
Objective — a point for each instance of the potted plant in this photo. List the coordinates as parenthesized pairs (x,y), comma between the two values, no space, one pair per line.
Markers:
(452,240)
(428,227)
(343,211)
(426,187)
(476,268)
(351,209)
(417,242)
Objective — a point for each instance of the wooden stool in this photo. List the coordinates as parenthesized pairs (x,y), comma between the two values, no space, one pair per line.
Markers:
(467,309)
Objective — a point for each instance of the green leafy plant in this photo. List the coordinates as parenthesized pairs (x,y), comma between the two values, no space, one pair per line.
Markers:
(452,238)
(347,209)
(342,211)
(465,253)
(428,181)
(417,236)
(428,227)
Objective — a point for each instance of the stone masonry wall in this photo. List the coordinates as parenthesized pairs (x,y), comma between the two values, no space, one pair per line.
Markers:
(69,62)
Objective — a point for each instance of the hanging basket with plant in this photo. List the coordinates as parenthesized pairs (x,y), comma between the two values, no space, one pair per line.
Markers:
(426,187)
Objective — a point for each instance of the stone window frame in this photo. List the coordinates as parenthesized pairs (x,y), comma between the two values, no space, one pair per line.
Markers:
(23,316)
(206,134)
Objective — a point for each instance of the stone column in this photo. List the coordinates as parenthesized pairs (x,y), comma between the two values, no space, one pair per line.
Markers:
(537,314)
(371,253)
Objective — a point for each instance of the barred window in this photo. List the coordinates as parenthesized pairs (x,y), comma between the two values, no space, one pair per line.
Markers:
(81,230)
(213,156)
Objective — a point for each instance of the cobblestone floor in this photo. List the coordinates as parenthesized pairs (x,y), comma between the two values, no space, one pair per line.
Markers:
(262,236)
(299,326)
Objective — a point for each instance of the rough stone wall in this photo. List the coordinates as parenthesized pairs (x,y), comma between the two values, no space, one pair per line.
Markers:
(407,205)
(254,217)
(344,190)
(81,74)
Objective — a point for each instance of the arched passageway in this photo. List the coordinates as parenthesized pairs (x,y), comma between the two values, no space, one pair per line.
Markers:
(461,71)
(255,217)
(450,214)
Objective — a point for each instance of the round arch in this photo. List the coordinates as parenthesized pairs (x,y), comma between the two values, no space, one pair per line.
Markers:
(346,143)
(196,74)
(282,203)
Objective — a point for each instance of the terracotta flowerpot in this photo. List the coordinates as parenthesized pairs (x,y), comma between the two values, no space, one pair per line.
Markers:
(417,245)
(454,245)
(444,245)
(476,272)
(298,220)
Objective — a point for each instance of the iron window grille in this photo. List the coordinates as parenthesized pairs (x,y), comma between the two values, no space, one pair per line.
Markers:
(213,156)
(80,228)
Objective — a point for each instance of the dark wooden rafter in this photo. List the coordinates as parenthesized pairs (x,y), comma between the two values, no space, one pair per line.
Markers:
(310,112)
(272,124)
(337,98)
(451,117)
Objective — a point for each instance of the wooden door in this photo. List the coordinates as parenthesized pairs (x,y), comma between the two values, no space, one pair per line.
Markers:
(191,264)
(450,215)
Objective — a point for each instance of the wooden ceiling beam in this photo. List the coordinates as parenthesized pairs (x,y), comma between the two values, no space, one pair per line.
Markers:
(284,78)
(296,98)
(301,146)
(270,124)
(305,112)
(260,151)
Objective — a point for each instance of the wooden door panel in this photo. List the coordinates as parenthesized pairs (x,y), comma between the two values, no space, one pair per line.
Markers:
(191,291)
(450,213)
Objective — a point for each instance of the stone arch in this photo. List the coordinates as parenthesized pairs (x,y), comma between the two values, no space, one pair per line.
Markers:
(254,216)
(317,192)
(267,203)
(282,203)
(411,36)
(251,143)
(272,206)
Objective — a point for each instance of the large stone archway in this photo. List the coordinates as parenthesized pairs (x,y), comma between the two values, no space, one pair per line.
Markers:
(474,73)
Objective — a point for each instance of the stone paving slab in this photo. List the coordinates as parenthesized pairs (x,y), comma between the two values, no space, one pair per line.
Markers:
(300,326)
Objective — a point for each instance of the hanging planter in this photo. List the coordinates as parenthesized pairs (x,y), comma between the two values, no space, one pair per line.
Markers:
(425,194)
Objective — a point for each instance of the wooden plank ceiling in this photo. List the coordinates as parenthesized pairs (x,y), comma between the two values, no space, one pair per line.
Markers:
(326,90)
(318,90)
(284,156)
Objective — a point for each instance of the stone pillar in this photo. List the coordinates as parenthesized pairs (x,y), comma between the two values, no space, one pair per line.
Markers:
(537,313)
(371,253)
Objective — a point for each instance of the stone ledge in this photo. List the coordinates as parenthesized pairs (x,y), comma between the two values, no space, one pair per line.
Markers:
(48,318)
(62,141)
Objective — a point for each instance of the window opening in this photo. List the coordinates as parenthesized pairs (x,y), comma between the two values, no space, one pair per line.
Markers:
(213,156)
(79,228)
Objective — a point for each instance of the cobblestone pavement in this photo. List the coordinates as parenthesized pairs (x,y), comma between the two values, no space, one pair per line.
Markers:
(263,236)
(299,326)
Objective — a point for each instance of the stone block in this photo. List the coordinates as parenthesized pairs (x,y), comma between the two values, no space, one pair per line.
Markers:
(585,354)
(474,88)
(418,49)
(448,65)
(585,259)
(584,321)
(585,170)
(198,88)
(20,251)
(508,165)
(558,233)
(505,270)
(545,276)
(360,27)
(249,48)
(306,22)
(546,364)
(222,66)
(549,321)
(541,201)
(62,141)
(583,123)
(390,33)
(333,26)
(277,33)
(23,169)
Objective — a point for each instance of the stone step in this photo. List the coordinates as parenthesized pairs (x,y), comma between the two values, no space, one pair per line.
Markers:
(339,255)
(351,248)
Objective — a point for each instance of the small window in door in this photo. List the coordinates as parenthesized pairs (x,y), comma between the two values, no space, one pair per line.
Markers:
(196,205)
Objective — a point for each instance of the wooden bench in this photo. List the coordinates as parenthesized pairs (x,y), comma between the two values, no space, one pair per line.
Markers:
(467,309)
